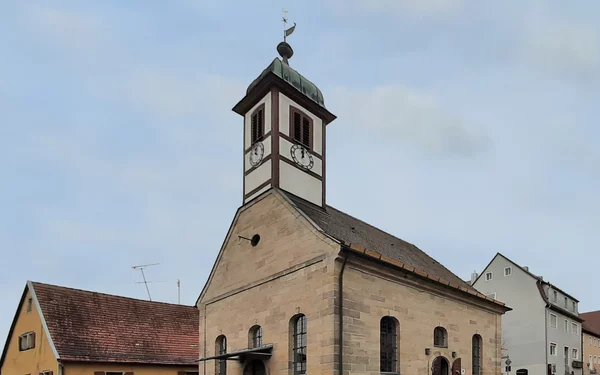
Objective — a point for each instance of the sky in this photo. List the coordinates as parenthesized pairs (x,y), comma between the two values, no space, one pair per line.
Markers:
(465,127)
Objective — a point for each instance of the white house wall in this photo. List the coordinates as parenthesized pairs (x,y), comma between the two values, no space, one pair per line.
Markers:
(258,176)
(523,328)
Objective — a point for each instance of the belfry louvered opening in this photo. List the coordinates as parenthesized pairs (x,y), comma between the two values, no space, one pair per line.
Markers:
(257,127)
(301,127)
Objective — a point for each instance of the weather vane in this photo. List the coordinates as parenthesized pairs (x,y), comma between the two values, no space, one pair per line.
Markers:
(289,31)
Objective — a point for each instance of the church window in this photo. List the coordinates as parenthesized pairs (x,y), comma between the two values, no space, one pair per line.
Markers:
(299,344)
(476,354)
(256,336)
(301,128)
(440,337)
(220,349)
(388,341)
(258,124)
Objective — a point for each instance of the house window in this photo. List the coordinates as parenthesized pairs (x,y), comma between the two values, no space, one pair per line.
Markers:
(29,303)
(489,276)
(301,127)
(566,325)
(574,328)
(575,354)
(554,295)
(299,344)
(574,306)
(388,341)
(552,349)
(566,302)
(440,337)
(258,124)
(256,337)
(476,353)
(508,271)
(552,320)
(27,341)
(220,349)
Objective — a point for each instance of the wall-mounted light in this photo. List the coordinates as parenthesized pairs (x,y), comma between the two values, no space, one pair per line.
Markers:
(453,354)
(427,351)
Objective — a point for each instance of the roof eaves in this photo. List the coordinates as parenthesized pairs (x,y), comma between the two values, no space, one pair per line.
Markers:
(375,255)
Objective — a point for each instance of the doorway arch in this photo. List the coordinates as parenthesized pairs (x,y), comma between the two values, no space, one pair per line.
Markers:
(440,366)
(255,367)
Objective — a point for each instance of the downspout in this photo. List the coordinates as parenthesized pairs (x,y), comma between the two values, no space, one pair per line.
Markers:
(341,315)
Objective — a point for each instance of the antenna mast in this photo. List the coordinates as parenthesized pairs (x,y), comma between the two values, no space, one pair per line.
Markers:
(141,268)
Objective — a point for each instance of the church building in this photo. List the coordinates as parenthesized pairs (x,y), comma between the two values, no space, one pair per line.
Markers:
(300,287)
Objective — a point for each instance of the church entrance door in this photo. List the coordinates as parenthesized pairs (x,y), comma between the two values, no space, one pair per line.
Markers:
(440,366)
(255,367)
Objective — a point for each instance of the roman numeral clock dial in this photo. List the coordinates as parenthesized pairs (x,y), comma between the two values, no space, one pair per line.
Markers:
(256,154)
(302,157)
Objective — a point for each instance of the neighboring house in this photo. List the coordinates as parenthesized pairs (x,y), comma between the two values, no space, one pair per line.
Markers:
(591,342)
(58,330)
(542,335)
(299,287)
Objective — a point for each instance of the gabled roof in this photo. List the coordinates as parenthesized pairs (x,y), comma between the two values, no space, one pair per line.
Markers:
(592,322)
(95,327)
(350,230)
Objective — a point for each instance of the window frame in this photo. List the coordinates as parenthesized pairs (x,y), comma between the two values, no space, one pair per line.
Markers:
(388,346)
(255,336)
(566,326)
(555,296)
(310,127)
(299,332)
(476,361)
(574,328)
(27,336)
(553,345)
(29,304)
(509,269)
(220,349)
(574,354)
(491,276)
(566,302)
(444,334)
(574,306)
(260,136)
(555,321)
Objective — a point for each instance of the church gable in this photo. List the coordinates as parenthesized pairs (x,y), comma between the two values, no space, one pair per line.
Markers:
(287,240)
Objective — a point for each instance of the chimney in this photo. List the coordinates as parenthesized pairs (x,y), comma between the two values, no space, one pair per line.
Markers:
(473,277)
(526,268)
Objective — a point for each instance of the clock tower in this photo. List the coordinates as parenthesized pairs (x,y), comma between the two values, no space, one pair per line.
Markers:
(284,132)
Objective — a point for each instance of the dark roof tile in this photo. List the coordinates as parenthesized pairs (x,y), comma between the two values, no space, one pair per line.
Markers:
(90,326)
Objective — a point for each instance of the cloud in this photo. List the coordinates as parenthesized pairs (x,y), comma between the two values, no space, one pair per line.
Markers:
(397,113)
(566,49)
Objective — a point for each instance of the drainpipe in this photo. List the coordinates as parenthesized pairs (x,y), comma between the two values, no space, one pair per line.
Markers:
(341,315)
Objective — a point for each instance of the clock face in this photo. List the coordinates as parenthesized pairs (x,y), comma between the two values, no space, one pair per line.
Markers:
(256,153)
(302,157)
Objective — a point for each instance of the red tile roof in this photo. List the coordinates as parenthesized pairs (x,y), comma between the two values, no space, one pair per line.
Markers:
(592,322)
(96,327)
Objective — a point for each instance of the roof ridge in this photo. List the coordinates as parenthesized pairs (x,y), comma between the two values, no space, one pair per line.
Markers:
(34,283)
(409,243)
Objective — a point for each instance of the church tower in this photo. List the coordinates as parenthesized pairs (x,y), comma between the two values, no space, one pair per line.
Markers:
(284,132)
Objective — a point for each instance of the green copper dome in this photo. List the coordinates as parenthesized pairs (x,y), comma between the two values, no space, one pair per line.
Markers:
(292,77)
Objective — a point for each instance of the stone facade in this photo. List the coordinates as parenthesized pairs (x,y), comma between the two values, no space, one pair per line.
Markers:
(295,269)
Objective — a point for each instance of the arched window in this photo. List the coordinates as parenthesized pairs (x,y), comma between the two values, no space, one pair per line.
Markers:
(440,337)
(476,352)
(221,348)
(298,328)
(388,339)
(255,337)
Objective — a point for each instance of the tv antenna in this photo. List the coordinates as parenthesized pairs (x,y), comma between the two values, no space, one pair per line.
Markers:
(145,282)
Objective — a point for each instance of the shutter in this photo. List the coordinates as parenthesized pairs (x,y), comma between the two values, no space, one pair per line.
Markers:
(297,125)
(306,131)
(33,340)
(253,128)
(259,124)
(50,373)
